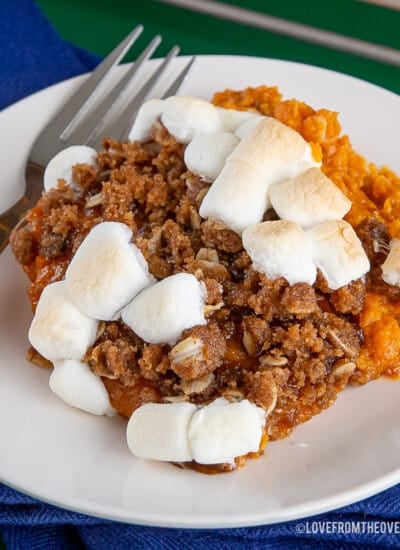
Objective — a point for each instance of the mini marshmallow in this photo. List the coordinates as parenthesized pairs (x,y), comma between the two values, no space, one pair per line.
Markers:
(107,271)
(79,387)
(391,266)
(280,249)
(338,253)
(230,198)
(223,430)
(182,432)
(309,199)
(276,150)
(270,154)
(185,117)
(59,330)
(161,312)
(147,115)
(206,153)
(160,431)
(60,166)
(247,126)
(231,119)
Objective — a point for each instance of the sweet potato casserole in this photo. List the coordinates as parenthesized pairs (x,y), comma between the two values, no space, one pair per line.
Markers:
(286,346)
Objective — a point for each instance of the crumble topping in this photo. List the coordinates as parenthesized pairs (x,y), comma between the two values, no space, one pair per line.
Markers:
(286,348)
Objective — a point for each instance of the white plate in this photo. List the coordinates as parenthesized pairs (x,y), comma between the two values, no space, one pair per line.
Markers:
(82,462)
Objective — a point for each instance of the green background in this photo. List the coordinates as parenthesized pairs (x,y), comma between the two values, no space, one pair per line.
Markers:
(97,25)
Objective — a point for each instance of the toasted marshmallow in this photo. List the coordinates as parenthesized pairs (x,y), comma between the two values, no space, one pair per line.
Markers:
(222,431)
(280,249)
(391,266)
(185,117)
(107,271)
(160,431)
(60,166)
(59,330)
(161,312)
(309,199)
(230,198)
(182,432)
(77,385)
(231,119)
(276,150)
(270,154)
(338,253)
(147,115)
(206,153)
(247,126)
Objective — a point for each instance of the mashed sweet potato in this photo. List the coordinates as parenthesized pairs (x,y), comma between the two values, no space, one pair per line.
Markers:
(374,192)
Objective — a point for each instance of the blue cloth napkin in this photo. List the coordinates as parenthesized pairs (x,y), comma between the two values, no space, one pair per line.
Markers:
(33,56)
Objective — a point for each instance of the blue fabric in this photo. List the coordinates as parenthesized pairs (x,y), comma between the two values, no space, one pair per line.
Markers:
(33,56)
(26,523)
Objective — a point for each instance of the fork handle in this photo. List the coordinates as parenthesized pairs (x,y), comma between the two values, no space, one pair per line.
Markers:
(10,219)
(15,215)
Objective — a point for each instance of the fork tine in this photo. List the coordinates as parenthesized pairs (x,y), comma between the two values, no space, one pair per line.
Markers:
(171,90)
(113,100)
(80,101)
(176,84)
(98,80)
(85,95)
(119,125)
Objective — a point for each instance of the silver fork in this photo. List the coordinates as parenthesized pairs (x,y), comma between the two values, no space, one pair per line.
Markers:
(92,112)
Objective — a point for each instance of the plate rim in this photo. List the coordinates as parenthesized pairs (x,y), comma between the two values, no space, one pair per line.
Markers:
(292,513)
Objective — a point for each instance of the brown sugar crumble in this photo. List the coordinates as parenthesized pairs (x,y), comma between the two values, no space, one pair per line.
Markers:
(289,349)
